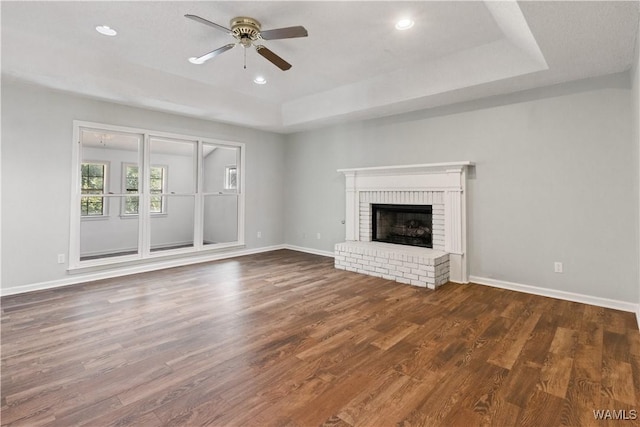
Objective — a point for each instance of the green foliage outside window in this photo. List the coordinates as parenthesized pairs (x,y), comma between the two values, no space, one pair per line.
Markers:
(93,180)
(131,186)
(156,186)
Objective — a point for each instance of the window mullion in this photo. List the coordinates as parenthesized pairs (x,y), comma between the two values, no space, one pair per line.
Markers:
(198,232)
(143,200)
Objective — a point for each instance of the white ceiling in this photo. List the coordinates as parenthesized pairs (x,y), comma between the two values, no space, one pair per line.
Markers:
(353,65)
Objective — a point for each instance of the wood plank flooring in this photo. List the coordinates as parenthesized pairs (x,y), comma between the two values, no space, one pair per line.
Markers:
(284,339)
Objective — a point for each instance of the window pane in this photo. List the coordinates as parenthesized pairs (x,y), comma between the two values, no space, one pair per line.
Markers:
(220,169)
(91,206)
(131,185)
(156,185)
(220,219)
(231,178)
(175,229)
(132,172)
(109,237)
(96,170)
(156,173)
(95,183)
(131,178)
(131,205)
(155,204)
(172,166)
(95,207)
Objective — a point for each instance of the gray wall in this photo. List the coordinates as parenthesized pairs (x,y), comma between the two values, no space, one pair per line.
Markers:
(37,135)
(556,180)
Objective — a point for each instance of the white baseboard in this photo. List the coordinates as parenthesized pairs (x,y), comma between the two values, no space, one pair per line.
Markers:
(553,293)
(141,268)
(309,250)
(638,316)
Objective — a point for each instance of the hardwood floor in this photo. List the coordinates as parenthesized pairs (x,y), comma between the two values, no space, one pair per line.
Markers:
(283,338)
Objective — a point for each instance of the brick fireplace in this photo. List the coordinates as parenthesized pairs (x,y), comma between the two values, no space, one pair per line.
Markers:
(437,188)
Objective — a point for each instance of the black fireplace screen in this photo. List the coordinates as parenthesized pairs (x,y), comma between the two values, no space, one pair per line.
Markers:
(402,224)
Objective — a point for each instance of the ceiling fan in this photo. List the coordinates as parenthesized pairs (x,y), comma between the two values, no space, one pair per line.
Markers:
(247,32)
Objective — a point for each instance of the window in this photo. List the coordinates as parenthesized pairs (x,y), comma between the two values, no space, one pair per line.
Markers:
(157,185)
(94,176)
(230,178)
(198,206)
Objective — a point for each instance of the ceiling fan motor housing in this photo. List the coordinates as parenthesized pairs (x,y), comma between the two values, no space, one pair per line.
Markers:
(243,27)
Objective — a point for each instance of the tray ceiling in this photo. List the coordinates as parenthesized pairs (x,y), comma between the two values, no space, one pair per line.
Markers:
(353,65)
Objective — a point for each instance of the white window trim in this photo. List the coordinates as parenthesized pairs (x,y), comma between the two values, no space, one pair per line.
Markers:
(144,255)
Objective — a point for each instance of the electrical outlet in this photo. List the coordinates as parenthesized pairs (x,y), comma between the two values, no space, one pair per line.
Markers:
(60,258)
(318,236)
(259,234)
(557,267)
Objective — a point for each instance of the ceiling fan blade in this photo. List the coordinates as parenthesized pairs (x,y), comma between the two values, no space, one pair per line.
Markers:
(209,23)
(218,51)
(273,58)
(284,33)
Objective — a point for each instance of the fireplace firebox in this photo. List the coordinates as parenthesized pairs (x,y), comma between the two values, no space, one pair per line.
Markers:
(402,224)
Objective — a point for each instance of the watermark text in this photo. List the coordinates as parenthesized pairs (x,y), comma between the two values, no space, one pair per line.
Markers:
(615,414)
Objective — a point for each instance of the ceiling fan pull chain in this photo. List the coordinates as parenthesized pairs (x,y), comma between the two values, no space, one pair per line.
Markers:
(245,58)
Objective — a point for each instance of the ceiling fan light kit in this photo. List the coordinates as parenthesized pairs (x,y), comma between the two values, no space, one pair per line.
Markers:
(404,24)
(248,32)
(106,30)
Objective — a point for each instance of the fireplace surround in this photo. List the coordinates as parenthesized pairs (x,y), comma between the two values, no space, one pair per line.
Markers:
(439,185)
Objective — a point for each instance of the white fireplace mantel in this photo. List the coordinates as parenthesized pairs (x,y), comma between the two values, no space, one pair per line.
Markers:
(447,179)
(408,169)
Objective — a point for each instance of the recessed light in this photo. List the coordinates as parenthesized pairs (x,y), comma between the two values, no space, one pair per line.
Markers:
(260,80)
(196,61)
(404,24)
(106,30)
